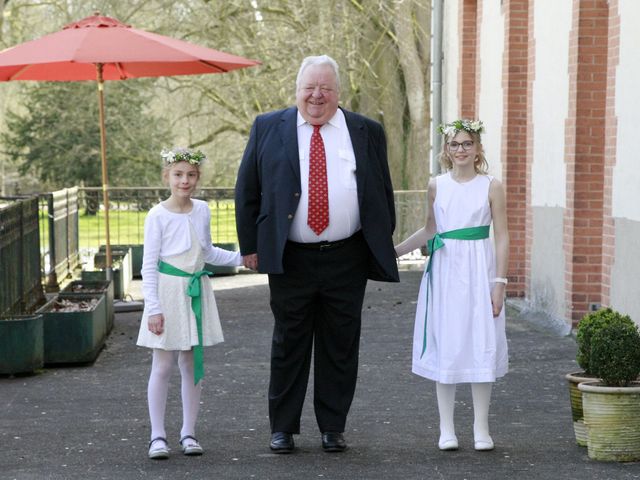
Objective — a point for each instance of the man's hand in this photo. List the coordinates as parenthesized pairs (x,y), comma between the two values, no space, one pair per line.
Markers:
(251,261)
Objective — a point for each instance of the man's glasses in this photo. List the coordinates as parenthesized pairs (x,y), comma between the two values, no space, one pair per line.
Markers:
(453,146)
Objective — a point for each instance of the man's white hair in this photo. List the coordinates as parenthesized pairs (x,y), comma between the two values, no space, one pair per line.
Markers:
(319,60)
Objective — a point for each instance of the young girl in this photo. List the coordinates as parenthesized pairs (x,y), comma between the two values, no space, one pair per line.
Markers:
(180,314)
(459,334)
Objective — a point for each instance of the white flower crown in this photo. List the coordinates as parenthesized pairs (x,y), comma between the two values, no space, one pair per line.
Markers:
(470,126)
(179,154)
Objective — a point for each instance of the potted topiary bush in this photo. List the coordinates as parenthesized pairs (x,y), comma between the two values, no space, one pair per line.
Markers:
(611,405)
(589,324)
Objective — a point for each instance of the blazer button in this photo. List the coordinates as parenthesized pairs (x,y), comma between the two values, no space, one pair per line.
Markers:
(297,194)
(289,216)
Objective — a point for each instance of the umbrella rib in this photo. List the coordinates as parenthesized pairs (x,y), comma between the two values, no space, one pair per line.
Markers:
(214,66)
(121,71)
(16,76)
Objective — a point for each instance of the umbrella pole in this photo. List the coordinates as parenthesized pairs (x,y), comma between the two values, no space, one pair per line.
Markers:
(103,158)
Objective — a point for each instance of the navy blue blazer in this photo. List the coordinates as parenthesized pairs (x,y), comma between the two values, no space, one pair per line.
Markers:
(268,189)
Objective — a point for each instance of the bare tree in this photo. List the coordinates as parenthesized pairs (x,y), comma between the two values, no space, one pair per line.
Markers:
(382,47)
(410,20)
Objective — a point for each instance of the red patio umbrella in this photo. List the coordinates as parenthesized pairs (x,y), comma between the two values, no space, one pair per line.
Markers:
(102,48)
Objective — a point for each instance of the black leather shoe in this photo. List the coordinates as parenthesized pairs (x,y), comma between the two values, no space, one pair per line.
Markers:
(333,442)
(281,442)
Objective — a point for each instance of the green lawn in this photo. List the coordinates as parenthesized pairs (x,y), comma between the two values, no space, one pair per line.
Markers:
(127,226)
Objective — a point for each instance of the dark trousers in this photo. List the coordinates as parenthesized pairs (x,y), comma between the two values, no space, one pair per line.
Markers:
(317,305)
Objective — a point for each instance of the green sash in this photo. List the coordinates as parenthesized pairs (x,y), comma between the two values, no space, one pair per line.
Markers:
(193,290)
(436,243)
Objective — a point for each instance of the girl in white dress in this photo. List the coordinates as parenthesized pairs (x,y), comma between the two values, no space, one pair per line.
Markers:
(459,334)
(180,314)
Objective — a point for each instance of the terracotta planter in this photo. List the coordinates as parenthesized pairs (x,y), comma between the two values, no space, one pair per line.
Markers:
(612,418)
(74,337)
(21,344)
(575,396)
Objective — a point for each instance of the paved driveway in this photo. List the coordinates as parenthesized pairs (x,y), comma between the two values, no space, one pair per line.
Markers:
(91,422)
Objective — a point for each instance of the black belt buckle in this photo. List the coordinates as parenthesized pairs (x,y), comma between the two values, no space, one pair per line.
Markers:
(326,245)
(329,245)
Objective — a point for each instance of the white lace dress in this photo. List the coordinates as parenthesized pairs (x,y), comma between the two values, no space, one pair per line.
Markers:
(180,330)
(465,342)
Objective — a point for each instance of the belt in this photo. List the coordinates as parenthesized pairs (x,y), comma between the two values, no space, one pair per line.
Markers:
(193,291)
(436,243)
(325,245)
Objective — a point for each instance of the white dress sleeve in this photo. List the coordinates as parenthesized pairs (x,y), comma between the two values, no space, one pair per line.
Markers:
(215,255)
(149,271)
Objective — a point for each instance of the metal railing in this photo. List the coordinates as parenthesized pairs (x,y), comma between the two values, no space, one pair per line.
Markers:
(59,235)
(52,234)
(20,277)
(411,211)
(129,207)
(74,231)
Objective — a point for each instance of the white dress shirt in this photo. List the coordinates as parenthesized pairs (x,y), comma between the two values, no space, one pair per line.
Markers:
(344,212)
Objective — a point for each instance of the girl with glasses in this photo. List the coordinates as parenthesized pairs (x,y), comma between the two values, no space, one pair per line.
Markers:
(459,333)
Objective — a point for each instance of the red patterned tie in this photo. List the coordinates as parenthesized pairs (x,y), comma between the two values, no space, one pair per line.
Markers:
(318,214)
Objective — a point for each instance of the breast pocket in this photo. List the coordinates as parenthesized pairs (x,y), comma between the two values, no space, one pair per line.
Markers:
(348,169)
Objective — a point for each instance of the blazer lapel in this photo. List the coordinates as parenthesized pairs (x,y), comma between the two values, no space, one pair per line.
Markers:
(289,138)
(359,141)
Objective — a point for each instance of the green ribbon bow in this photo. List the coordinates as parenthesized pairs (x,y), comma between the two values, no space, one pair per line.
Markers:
(436,243)
(194,291)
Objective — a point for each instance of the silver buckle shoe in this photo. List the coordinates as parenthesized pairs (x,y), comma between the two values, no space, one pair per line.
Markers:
(190,448)
(158,449)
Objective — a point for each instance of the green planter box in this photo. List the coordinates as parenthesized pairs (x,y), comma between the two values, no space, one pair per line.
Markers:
(136,251)
(21,344)
(117,279)
(92,288)
(220,270)
(121,266)
(74,337)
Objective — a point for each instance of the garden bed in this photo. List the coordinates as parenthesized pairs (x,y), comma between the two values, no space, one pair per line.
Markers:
(74,328)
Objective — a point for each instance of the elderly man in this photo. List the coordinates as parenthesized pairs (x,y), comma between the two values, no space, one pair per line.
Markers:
(314,210)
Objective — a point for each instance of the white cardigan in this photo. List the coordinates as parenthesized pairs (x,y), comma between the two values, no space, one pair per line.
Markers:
(167,233)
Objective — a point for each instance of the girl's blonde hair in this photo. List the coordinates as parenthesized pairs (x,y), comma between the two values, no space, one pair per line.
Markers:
(167,167)
(480,164)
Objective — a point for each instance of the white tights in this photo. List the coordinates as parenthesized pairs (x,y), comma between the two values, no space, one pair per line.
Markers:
(161,369)
(481,393)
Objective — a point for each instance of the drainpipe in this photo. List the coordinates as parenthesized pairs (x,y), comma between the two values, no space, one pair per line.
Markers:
(436,85)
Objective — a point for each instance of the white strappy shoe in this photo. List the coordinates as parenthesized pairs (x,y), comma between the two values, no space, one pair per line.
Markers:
(158,449)
(448,444)
(484,445)
(190,445)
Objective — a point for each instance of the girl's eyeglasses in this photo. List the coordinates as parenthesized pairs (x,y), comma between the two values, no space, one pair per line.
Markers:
(453,146)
